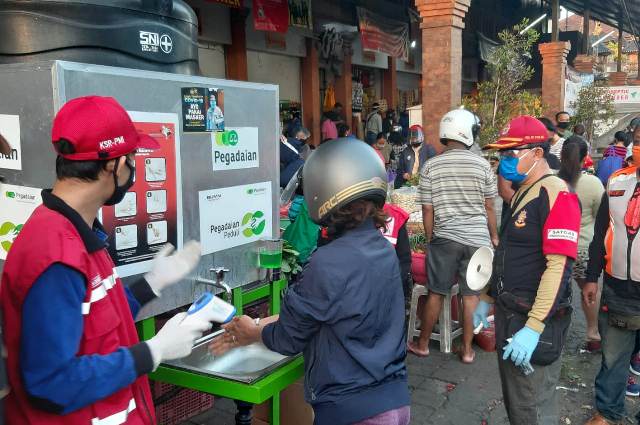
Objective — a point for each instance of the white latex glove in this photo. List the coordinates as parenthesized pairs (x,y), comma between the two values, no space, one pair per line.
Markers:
(169,269)
(175,340)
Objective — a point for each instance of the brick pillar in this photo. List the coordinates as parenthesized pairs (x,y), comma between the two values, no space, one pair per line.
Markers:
(442,25)
(554,64)
(617,78)
(309,70)
(584,63)
(390,84)
(343,87)
(236,52)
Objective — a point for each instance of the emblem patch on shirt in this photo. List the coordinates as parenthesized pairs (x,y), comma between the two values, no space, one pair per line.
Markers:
(521,221)
(614,193)
(563,234)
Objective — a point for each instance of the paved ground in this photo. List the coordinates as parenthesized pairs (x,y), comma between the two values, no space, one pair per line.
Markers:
(447,392)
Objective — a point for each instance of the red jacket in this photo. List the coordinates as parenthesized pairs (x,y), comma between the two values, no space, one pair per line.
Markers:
(48,237)
(397,218)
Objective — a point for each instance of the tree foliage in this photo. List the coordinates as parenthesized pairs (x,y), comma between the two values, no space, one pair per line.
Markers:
(501,98)
(594,109)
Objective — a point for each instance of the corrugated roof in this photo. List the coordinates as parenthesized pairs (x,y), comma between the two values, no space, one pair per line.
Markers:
(610,12)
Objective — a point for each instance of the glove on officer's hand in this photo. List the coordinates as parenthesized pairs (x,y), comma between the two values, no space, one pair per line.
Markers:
(480,314)
(169,269)
(175,340)
(522,346)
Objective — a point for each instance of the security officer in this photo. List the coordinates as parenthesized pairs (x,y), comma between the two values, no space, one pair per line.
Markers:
(531,278)
(72,349)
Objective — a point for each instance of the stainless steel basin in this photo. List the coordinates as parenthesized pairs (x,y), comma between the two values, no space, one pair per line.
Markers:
(244,364)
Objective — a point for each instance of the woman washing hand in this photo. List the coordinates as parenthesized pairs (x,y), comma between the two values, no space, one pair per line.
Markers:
(346,313)
(242,330)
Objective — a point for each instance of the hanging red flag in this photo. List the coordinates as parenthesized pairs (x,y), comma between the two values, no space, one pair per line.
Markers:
(271,15)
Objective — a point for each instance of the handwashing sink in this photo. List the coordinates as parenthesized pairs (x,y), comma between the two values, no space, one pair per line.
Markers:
(244,364)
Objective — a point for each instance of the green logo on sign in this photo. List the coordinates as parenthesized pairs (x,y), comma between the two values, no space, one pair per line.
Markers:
(11,194)
(8,233)
(255,225)
(227,138)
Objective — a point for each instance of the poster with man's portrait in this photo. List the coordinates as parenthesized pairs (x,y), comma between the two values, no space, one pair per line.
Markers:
(214,109)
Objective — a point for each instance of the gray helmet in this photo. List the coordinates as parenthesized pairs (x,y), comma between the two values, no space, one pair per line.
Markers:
(339,172)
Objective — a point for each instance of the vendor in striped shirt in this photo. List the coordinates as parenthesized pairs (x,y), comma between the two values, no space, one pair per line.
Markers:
(457,190)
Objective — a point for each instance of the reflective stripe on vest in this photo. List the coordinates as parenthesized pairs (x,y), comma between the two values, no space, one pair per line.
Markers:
(100,291)
(618,250)
(116,418)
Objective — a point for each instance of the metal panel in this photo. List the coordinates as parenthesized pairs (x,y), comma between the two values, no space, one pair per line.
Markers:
(246,104)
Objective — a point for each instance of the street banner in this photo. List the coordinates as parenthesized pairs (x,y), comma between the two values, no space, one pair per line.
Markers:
(380,34)
(231,3)
(625,94)
(300,14)
(271,15)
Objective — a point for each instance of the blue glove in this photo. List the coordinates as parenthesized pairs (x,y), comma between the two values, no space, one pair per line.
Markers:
(480,314)
(522,346)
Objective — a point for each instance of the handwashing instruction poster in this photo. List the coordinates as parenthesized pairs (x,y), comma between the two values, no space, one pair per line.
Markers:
(150,215)
(17,203)
(234,216)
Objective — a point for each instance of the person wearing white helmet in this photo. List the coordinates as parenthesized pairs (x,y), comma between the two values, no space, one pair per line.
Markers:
(457,190)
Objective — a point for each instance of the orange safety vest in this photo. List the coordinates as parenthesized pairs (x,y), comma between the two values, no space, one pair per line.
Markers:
(622,243)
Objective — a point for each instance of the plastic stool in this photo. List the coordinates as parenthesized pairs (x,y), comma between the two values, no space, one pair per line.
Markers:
(445,326)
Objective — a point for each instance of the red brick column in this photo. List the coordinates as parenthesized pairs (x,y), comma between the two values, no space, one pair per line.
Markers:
(343,87)
(309,71)
(236,52)
(554,64)
(584,63)
(617,78)
(442,25)
(390,84)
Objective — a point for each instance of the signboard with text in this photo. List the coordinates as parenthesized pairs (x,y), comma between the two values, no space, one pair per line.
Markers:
(235,216)
(625,94)
(235,148)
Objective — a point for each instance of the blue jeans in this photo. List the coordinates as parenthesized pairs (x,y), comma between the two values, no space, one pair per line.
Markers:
(618,347)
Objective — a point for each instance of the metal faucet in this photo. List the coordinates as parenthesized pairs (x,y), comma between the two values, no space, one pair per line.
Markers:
(219,273)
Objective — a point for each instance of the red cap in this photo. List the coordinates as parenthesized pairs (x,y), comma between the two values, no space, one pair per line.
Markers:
(98,128)
(588,161)
(521,131)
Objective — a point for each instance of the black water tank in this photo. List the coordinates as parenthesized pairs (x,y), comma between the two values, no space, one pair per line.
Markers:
(157,35)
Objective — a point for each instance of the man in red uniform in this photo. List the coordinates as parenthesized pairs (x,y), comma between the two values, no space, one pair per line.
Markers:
(72,349)
(531,281)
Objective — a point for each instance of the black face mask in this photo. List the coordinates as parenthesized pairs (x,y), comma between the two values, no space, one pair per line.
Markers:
(563,125)
(120,191)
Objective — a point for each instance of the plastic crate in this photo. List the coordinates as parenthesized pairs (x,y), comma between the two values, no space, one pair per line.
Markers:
(184,405)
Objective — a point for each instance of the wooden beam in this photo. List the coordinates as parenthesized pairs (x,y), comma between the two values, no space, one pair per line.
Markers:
(586,33)
(620,42)
(555,18)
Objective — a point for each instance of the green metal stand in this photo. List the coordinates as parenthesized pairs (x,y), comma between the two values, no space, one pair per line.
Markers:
(268,388)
